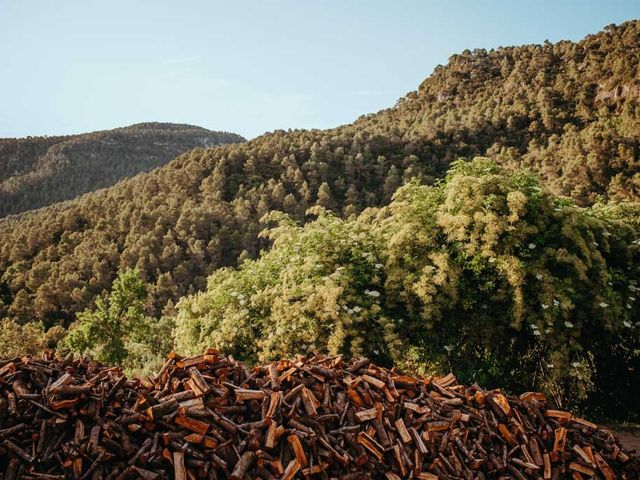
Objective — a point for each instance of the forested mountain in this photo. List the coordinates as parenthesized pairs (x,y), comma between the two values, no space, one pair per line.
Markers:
(38,171)
(569,111)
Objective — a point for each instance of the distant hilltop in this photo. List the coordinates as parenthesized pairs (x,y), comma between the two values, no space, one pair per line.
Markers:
(39,171)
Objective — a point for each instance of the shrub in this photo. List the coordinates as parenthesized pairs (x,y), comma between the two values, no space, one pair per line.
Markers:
(18,340)
(118,332)
(486,273)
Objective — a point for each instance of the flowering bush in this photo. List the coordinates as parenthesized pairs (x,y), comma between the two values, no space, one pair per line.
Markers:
(486,273)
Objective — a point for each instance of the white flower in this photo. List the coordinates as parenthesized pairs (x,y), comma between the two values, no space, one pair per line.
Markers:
(568,324)
(633,299)
(628,306)
(538,276)
(606,234)
(544,306)
(537,333)
(575,364)
(357,309)
(376,352)
(596,244)
(609,283)
(627,324)
(448,348)
(532,246)
(533,326)
(492,259)
(603,304)
(555,302)
(372,293)
(378,266)
(243,301)
(550,365)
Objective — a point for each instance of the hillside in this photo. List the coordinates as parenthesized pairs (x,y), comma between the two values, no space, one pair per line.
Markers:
(568,111)
(39,171)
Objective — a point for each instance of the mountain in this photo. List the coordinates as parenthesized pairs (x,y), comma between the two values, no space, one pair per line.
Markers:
(568,111)
(39,171)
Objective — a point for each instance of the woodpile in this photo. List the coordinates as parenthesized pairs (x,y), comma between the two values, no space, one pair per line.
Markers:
(210,417)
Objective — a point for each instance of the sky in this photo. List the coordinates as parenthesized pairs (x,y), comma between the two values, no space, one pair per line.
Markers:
(72,66)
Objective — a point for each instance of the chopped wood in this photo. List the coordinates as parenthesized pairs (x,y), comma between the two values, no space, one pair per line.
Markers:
(210,417)
(365,415)
(402,430)
(301,457)
(243,466)
(581,469)
(291,470)
(373,381)
(180,472)
(243,394)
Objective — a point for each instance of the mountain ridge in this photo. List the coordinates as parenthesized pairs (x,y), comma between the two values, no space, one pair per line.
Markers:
(38,171)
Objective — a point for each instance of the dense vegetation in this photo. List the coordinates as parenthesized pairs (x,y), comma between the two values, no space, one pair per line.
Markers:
(118,332)
(486,273)
(567,110)
(39,171)
(570,112)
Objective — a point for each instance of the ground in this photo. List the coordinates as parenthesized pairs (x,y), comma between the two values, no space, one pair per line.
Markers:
(628,436)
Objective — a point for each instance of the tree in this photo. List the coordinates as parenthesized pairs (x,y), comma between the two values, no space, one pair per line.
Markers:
(103,332)
(325,198)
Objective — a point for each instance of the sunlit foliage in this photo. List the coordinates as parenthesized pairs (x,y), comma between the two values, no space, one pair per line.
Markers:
(117,331)
(487,273)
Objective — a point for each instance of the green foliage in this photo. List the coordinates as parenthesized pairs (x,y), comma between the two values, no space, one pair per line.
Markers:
(17,340)
(117,331)
(486,272)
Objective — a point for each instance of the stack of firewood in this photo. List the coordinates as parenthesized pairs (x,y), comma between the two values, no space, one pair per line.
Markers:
(210,417)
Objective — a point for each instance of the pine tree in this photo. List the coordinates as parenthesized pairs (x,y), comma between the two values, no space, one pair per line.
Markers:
(325,198)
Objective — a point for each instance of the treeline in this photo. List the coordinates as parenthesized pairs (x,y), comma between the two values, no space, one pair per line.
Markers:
(567,110)
(39,171)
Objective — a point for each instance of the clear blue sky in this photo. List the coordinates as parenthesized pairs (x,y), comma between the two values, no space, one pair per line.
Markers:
(70,66)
